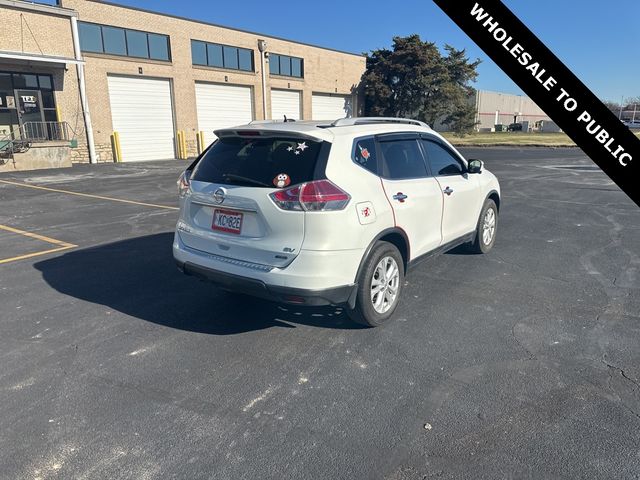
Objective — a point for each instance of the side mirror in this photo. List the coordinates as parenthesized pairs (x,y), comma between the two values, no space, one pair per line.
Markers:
(475,166)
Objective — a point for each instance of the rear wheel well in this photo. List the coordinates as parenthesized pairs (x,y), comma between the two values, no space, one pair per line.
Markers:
(496,198)
(399,241)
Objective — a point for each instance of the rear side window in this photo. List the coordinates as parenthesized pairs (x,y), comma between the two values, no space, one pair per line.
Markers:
(442,162)
(403,159)
(259,162)
(364,154)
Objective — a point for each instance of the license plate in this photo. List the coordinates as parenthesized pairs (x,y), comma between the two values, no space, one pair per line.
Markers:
(227,221)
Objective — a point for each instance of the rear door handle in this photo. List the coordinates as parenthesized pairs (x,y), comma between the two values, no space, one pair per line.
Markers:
(401,197)
(448,191)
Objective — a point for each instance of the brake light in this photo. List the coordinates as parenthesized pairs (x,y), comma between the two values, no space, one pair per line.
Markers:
(184,183)
(318,196)
(248,133)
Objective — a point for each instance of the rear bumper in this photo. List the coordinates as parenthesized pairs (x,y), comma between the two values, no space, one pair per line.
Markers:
(257,288)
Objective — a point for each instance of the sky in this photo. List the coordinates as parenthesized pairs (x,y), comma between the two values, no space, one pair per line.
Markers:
(598,41)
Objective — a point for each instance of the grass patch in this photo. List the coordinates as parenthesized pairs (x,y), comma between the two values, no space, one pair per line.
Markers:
(513,139)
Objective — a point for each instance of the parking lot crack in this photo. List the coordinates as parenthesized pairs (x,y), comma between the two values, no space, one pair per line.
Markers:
(522,267)
(622,373)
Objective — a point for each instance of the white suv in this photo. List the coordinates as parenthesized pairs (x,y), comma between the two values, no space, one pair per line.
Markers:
(318,213)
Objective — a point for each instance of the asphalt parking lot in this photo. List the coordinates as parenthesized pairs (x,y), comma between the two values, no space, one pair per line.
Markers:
(523,363)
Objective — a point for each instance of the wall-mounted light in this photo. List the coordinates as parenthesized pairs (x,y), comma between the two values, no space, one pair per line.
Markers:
(140,70)
(226,78)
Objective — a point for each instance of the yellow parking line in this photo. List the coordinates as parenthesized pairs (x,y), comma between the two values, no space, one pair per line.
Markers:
(37,236)
(35,254)
(99,197)
(60,244)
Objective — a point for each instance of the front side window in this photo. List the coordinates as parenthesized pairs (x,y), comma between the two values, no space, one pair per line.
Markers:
(402,159)
(442,162)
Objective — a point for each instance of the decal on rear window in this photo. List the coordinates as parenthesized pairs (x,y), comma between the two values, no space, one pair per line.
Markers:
(282,180)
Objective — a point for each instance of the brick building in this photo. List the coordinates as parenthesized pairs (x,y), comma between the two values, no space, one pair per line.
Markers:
(161,82)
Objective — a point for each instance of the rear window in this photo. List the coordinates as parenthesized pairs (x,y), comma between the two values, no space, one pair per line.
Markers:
(259,162)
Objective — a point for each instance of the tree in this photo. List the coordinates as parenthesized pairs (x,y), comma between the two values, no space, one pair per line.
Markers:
(415,80)
(626,109)
(613,106)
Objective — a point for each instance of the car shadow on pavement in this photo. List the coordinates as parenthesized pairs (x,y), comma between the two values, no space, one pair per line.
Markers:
(138,277)
(460,250)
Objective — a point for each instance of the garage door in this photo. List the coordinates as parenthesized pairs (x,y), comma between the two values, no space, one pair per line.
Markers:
(330,107)
(221,106)
(285,102)
(142,115)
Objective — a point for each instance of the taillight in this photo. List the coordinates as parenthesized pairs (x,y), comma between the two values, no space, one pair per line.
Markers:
(184,182)
(318,196)
(288,199)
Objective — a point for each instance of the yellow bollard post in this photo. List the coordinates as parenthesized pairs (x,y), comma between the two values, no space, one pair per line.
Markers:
(201,141)
(114,150)
(116,140)
(184,145)
(179,143)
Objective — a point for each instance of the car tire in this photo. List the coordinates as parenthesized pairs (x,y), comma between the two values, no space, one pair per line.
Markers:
(375,308)
(486,229)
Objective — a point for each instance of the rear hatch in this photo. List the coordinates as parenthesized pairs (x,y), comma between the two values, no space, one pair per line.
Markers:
(229,210)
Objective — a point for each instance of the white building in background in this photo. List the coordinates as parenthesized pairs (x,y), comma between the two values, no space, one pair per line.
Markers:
(494,108)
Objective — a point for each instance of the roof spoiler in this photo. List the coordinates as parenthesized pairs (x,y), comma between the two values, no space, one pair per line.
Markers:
(248,132)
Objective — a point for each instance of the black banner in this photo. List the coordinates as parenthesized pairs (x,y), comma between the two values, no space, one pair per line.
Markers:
(544,78)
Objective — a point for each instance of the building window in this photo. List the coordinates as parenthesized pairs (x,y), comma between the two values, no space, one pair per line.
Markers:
(17,90)
(90,37)
(198,53)
(122,41)
(221,56)
(285,65)
(137,44)
(114,41)
(158,46)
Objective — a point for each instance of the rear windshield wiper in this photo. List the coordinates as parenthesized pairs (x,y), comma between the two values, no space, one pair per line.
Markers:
(238,178)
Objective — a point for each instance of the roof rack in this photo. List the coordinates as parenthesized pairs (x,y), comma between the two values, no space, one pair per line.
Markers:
(265,122)
(345,122)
